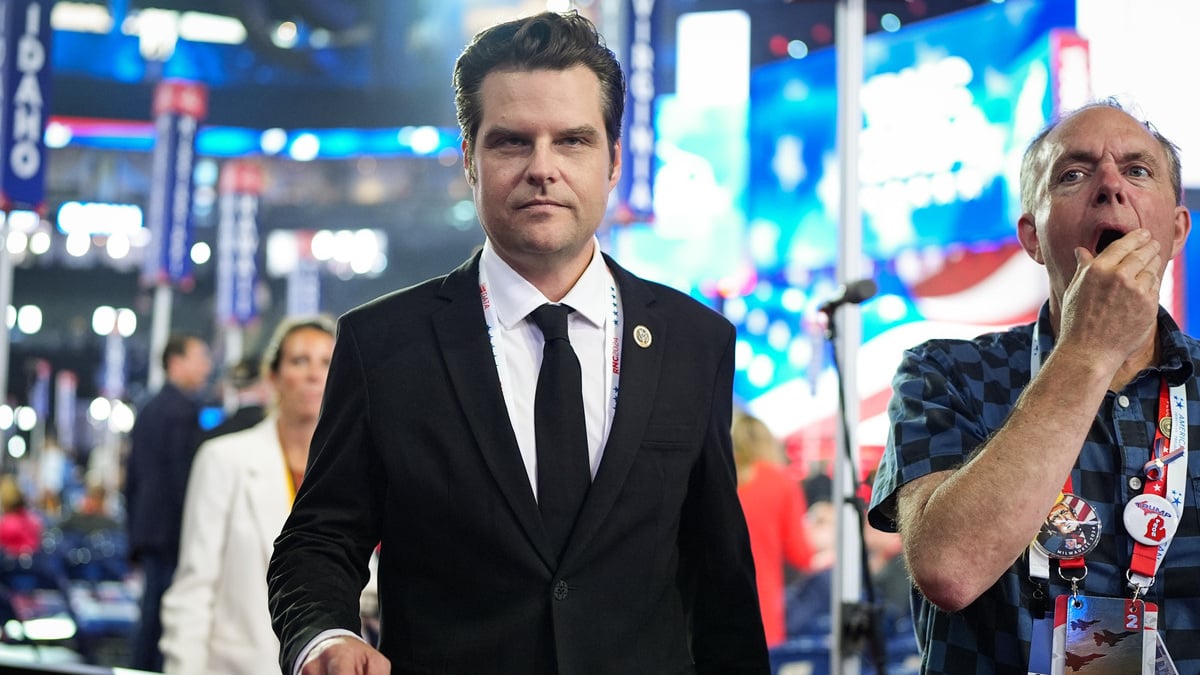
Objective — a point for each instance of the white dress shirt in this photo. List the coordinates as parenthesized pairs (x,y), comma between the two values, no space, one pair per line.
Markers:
(517,343)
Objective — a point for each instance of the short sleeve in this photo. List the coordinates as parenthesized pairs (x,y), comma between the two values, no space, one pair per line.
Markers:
(936,420)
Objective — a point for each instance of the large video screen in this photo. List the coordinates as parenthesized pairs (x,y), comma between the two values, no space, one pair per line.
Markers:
(948,106)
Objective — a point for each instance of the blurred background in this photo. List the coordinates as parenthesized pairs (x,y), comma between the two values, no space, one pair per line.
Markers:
(343,109)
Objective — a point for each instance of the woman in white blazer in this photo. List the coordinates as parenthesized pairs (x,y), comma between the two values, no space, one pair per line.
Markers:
(214,615)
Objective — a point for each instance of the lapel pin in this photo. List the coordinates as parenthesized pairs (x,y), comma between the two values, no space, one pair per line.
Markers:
(641,335)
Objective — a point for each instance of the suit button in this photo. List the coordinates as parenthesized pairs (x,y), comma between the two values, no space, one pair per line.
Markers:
(560,590)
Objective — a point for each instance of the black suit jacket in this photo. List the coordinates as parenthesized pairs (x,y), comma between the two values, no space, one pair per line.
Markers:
(162,445)
(414,447)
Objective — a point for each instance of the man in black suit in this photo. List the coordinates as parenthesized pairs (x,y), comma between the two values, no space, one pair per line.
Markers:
(432,438)
(162,444)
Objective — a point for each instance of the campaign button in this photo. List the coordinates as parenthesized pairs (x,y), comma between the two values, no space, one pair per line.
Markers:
(1071,528)
(1150,519)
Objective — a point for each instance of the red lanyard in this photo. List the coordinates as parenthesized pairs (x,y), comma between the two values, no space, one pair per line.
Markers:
(1145,556)
(1070,563)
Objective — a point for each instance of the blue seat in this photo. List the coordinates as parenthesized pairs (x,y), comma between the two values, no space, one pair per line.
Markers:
(97,556)
(96,567)
(32,571)
(35,588)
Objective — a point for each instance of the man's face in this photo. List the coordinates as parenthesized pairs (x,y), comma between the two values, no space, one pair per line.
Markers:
(1105,175)
(542,165)
(193,367)
(1063,519)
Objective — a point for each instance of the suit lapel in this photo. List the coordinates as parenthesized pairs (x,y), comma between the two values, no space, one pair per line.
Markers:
(463,338)
(639,380)
(267,494)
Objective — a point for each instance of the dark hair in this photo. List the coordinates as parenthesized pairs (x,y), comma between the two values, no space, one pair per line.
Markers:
(274,351)
(177,345)
(1032,164)
(245,373)
(818,488)
(546,41)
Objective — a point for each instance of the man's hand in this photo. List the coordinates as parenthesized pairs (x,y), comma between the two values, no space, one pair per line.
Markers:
(1111,304)
(345,656)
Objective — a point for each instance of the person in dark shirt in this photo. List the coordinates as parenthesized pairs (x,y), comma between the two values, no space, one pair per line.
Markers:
(990,435)
(164,439)
(92,515)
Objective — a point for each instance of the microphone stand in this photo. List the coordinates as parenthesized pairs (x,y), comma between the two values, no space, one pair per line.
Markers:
(859,620)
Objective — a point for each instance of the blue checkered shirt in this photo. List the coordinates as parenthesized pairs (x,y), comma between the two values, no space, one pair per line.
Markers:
(949,396)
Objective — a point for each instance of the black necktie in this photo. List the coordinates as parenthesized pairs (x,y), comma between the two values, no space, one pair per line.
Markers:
(563,468)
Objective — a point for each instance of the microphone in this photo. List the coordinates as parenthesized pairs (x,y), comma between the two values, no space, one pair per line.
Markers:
(851,293)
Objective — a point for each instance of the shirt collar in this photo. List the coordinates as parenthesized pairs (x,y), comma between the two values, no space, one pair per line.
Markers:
(1176,364)
(515,298)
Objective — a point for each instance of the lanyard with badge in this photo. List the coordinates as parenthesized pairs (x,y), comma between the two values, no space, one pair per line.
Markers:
(1115,635)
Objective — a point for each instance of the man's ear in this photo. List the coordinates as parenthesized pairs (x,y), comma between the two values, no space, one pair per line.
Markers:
(468,163)
(1027,235)
(614,174)
(1183,225)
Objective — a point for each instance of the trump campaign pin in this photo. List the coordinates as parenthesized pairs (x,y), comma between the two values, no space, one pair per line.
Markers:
(1070,530)
(1150,519)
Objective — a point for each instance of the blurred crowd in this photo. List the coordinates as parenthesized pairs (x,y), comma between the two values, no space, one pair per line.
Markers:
(152,553)
(790,513)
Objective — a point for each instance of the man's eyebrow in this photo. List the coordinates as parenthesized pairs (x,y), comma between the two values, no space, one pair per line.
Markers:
(501,132)
(1077,156)
(584,130)
(1143,156)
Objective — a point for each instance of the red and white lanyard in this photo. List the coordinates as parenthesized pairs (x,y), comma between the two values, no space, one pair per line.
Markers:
(1151,516)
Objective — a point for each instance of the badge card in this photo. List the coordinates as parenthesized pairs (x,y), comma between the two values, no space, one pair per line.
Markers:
(1163,664)
(1102,636)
